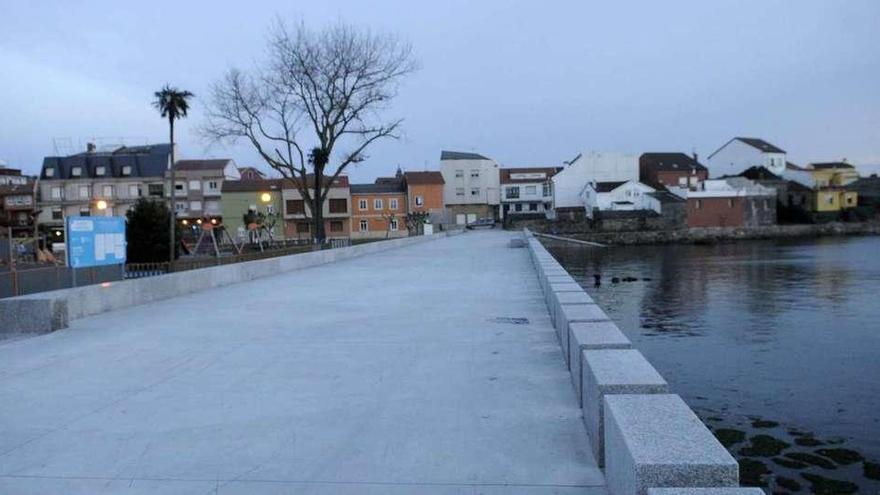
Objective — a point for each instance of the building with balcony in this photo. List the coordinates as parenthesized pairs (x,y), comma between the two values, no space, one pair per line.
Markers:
(198,187)
(11,176)
(336,212)
(526,191)
(18,208)
(99,183)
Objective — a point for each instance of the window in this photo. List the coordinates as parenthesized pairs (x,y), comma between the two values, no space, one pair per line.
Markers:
(195,185)
(475,191)
(126,170)
(545,189)
(533,206)
(459,191)
(180,206)
(76,172)
(338,205)
(362,204)
(730,203)
(50,172)
(84,192)
(156,190)
(213,206)
(420,201)
(213,185)
(107,191)
(682,182)
(84,212)
(195,205)
(830,200)
(134,191)
(56,214)
(179,188)
(336,226)
(699,204)
(365,226)
(303,227)
(766,205)
(393,224)
(531,190)
(101,170)
(377,204)
(513,192)
(392,203)
(517,207)
(459,173)
(475,173)
(56,193)
(295,207)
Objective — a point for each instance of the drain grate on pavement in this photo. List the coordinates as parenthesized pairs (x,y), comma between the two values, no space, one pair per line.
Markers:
(510,320)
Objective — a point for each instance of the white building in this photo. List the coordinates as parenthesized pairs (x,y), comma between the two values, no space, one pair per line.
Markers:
(590,167)
(742,153)
(618,196)
(526,190)
(471,186)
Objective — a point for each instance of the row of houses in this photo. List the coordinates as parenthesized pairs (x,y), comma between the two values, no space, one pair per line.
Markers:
(746,182)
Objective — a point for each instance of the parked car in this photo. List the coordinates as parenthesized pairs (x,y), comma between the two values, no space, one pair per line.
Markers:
(481,222)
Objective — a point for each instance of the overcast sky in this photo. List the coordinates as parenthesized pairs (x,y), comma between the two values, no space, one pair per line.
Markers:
(527,83)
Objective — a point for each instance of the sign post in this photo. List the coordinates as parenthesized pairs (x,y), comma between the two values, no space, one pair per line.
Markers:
(94,241)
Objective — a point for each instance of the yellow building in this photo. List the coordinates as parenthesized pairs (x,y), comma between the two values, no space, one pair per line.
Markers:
(832,181)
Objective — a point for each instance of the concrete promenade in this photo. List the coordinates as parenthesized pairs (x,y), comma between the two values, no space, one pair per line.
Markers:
(395,372)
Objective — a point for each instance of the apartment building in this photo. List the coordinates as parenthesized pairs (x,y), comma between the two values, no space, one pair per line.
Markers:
(99,183)
(18,208)
(471,186)
(198,188)
(526,191)
(336,211)
(379,209)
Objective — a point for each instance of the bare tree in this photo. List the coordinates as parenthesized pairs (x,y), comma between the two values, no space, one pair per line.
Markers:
(313,103)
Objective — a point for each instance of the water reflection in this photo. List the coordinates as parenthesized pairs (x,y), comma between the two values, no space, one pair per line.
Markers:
(783,330)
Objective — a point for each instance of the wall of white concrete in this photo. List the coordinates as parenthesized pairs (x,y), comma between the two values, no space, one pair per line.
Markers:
(458,176)
(593,166)
(736,156)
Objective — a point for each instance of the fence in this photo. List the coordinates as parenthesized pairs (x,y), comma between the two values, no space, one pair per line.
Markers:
(39,279)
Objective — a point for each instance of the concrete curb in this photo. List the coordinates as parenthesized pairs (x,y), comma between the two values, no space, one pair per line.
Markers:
(646,438)
(46,312)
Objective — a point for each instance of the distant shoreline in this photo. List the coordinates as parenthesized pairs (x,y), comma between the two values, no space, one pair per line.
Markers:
(714,235)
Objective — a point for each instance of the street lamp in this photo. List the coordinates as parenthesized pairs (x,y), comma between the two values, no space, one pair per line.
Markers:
(102,205)
(265,197)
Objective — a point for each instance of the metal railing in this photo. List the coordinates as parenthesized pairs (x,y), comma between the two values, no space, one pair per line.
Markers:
(22,281)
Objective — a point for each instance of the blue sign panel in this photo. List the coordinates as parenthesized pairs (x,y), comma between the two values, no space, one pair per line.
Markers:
(95,241)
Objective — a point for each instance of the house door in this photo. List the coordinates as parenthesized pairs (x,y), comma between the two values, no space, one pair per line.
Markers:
(460,219)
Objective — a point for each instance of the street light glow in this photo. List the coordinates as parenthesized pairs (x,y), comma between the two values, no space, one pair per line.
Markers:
(265,197)
(102,205)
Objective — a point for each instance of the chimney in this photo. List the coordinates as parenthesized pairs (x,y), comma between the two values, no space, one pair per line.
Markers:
(696,157)
(91,148)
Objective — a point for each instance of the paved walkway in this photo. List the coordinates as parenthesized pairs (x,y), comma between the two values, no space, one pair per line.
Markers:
(390,373)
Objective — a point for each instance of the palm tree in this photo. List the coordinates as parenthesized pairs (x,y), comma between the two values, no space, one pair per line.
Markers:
(173,105)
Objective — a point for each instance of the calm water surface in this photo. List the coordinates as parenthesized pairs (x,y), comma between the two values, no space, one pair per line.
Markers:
(781,331)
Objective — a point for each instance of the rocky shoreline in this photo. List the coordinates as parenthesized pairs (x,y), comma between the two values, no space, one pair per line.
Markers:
(711,235)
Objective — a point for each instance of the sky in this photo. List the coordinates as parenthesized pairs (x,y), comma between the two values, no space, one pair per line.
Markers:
(526,83)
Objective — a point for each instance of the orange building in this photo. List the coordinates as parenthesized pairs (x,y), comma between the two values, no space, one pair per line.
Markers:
(379,210)
(424,191)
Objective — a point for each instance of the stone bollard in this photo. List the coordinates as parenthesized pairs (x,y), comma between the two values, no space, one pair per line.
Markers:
(613,371)
(591,337)
(656,441)
(571,313)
